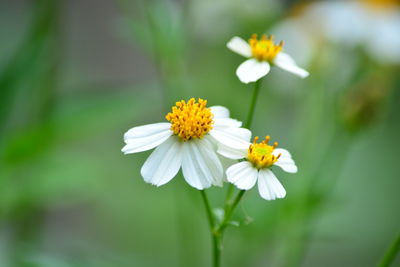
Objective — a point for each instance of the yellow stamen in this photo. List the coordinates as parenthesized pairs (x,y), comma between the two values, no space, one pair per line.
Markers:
(190,119)
(260,154)
(264,48)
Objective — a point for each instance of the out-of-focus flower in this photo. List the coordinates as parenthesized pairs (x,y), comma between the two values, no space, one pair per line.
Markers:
(370,24)
(262,53)
(259,159)
(189,140)
(229,15)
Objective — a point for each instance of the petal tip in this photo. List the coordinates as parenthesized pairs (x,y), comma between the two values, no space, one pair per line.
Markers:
(304,75)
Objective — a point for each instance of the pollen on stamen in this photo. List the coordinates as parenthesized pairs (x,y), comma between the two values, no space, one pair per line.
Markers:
(190,119)
(260,154)
(264,49)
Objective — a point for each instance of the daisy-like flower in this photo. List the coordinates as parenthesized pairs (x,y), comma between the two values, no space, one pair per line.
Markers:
(259,159)
(189,141)
(262,53)
(373,25)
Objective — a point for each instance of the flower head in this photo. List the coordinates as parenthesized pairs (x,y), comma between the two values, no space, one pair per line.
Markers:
(260,154)
(264,49)
(259,159)
(190,120)
(262,53)
(189,140)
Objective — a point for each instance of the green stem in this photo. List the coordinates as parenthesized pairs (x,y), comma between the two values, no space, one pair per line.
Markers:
(229,206)
(207,205)
(229,213)
(391,253)
(217,247)
(253,104)
(216,237)
(228,201)
(218,230)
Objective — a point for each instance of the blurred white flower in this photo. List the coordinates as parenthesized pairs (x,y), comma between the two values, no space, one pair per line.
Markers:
(370,24)
(229,15)
(260,157)
(189,140)
(262,53)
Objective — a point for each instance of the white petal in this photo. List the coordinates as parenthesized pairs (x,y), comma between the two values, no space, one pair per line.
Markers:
(212,141)
(237,138)
(239,46)
(200,165)
(146,137)
(283,152)
(164,163)
(208,147)
(242,174)
(232,153)
(226,123)
(286,62)
(285,161)
(252,70)
(299,42)
(219,112)
(269,186)
(287,166)
(226,163)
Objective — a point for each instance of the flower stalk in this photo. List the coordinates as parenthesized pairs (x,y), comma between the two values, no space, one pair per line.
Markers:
(253,104)
(229,212)
(257,85)
(215,235)
(217,229)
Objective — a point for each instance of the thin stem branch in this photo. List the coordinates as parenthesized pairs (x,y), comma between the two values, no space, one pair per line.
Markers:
(229,205)
(218,230)
(253,104)
(216,237)
(391,253)
(247,125)
(207,205)
(228,201)
(229,213)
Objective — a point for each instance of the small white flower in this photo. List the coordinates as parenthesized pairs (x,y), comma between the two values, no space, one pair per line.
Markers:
(373,25)
(259,158)
(189,140)
(262,53)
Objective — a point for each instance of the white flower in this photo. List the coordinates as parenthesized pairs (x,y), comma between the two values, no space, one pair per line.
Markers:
(262,53)
(373,25)
(189,140)
(259,158)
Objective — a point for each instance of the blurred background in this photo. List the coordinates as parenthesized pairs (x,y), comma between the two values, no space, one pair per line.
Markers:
(75,75)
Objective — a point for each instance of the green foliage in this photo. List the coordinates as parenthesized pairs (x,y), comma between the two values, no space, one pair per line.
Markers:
(69,197)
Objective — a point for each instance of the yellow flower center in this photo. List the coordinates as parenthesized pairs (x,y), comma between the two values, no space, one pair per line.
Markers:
(190,119)
(264,48)
(260,154)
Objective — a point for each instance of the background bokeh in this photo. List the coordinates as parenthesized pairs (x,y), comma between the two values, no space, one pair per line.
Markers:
(75,75)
